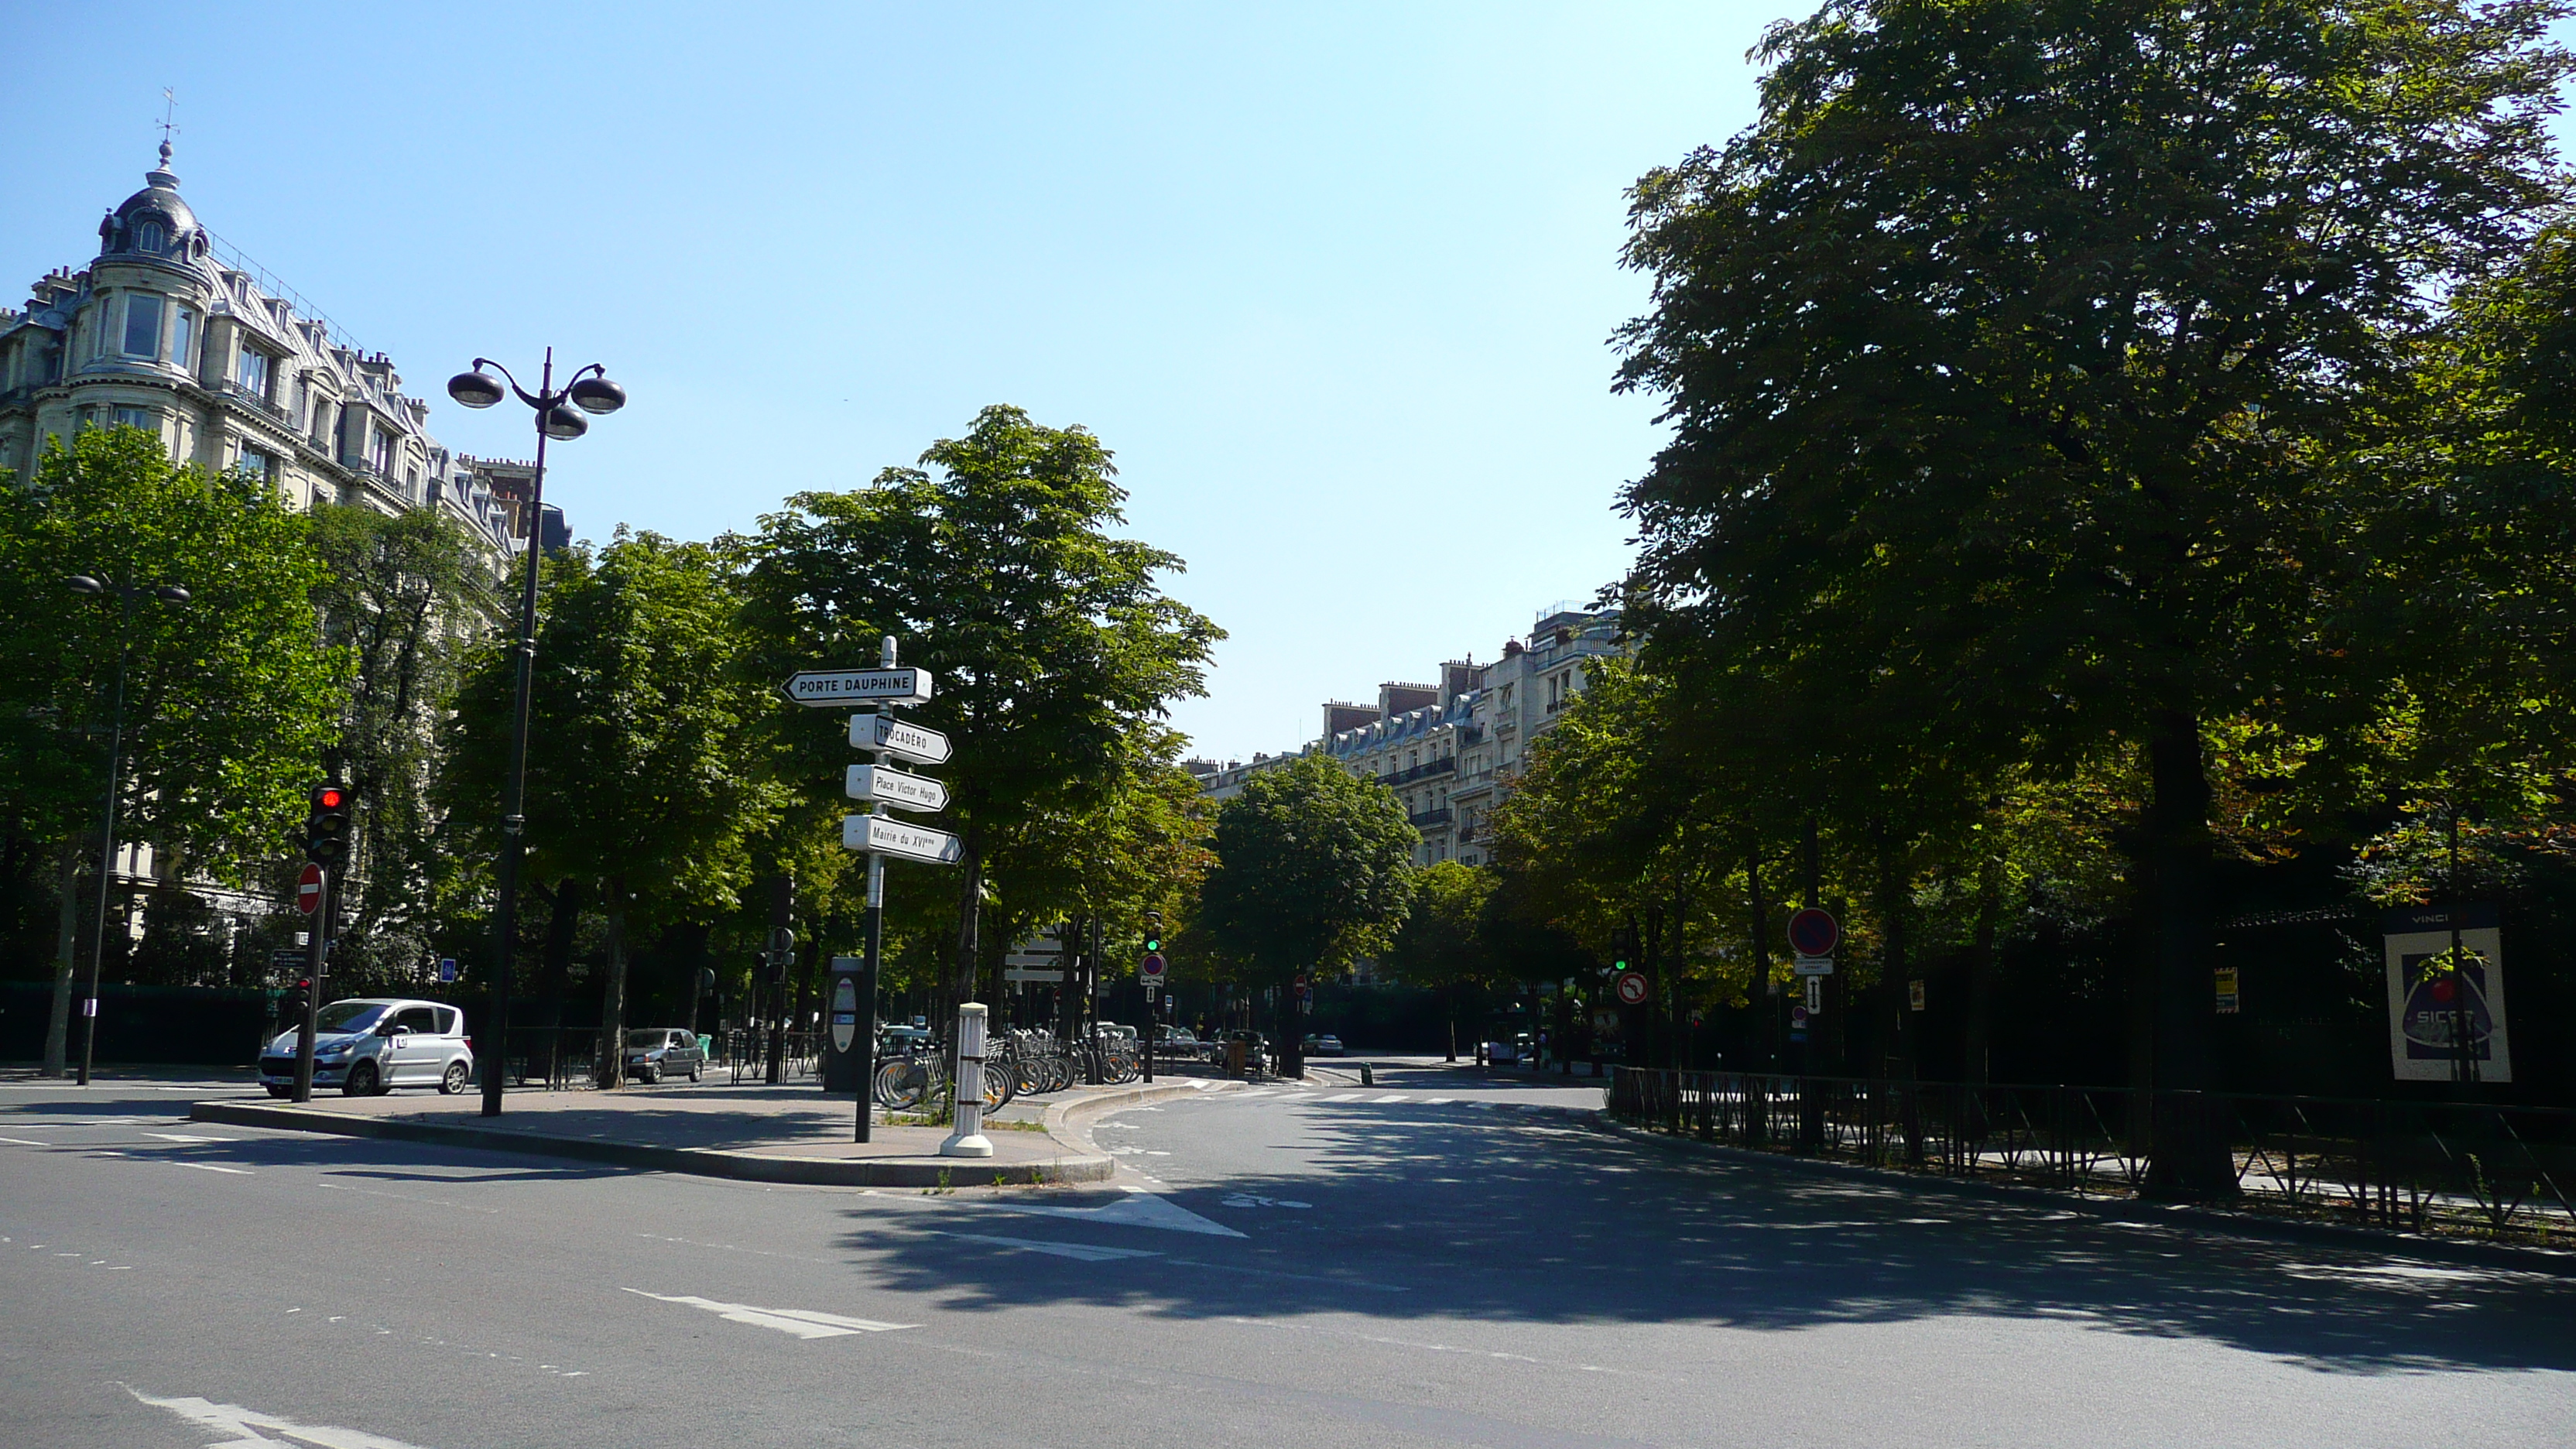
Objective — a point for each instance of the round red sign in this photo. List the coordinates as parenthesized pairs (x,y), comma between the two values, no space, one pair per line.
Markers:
(308,890)
(1813,933)
(1632,988)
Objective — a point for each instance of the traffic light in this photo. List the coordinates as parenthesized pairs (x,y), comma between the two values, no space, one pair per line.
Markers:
(782,953)
(292,1004)
(326,825)
(1153,932)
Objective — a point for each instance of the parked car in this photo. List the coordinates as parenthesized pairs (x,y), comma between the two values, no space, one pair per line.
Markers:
(1322,1044)
(366,1045)
(1253,1047)
(1519,1048)
(1179,1044)
(894,1041)
(655,1052)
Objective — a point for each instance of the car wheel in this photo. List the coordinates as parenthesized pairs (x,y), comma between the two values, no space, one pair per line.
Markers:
(452,1081)
(649,1075)
(361,1082)
(697,1070)
(281,1091)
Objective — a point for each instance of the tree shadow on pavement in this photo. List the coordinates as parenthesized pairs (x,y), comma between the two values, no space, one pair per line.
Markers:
(1510,1216)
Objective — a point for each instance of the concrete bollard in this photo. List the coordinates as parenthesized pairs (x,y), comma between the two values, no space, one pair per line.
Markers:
(1367,1078)
(967,1139)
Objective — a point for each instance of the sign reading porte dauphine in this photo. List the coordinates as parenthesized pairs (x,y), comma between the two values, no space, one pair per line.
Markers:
(840,688)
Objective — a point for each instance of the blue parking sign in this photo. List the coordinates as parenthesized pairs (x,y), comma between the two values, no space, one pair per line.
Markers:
(447,968)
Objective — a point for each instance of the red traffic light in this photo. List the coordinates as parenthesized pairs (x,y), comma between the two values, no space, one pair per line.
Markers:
(329,797)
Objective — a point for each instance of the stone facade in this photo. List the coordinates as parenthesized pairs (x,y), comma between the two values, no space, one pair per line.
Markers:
(167,331)
(1450,750)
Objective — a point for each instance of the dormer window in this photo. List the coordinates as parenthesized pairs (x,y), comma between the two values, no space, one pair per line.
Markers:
(252,372)
(150,237)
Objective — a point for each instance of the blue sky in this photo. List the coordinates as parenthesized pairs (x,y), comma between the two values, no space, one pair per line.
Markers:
(1333,281)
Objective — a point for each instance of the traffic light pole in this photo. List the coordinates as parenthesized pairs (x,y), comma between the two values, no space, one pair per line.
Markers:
(315,947)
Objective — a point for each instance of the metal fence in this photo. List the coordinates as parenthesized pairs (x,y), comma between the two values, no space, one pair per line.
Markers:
(2459,1168)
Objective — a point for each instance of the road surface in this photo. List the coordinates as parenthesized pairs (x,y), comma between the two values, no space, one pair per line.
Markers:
(1439,1260)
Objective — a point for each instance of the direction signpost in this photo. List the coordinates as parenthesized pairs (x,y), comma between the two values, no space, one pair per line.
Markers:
(879,835)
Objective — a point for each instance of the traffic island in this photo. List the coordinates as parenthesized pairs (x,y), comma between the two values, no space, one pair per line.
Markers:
(750,1133)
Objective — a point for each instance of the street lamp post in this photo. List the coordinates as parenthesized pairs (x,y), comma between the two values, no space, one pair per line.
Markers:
(592,392)
(127,595)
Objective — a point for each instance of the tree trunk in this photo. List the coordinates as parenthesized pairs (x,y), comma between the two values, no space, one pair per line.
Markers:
(2190,1157)
(612,1012)
(58,1022)
(1977,1051)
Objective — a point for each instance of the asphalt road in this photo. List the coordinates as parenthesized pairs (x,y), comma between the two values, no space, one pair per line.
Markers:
(1337,1268)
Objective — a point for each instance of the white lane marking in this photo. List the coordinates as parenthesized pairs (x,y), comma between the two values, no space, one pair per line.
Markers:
(1080,1252)
(245,1426)
(210,1167)
(1247,1200)
(185,1137)
(802,1322)
(1255,1092)
(24,1142)
(1300,1096)
(1395,1097)
(1138,1209)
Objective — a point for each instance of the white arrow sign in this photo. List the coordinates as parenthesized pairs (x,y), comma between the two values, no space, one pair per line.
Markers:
(886,836)
(833,688)
(902,791)
(912,742)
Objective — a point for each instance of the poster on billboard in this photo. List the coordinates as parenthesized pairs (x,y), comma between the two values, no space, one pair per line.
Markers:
(2431,996)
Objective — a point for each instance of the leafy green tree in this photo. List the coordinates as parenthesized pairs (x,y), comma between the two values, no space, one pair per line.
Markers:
(1441,945)
(640,777)
(230,698)
(2013,350)
(993,566)
(1314,869)
(407,596)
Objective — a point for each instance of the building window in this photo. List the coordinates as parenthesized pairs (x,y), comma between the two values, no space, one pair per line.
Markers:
(138,418)
(322,410)
(142,325)
(149,237)
(252,373)
(183,338)
(253,462)
(380,452)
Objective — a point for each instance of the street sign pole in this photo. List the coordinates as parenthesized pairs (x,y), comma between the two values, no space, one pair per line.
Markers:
(867,1042)
(314,959)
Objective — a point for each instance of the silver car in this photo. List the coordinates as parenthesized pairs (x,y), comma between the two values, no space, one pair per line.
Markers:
(366,1045)
(653,1053)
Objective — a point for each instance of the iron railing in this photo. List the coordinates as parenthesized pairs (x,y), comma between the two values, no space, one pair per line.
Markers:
(2451,1168)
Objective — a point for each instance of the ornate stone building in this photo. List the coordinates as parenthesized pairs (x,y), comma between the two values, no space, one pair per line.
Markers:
(168,330)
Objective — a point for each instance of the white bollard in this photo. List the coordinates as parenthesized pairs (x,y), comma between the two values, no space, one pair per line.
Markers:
(968,1139)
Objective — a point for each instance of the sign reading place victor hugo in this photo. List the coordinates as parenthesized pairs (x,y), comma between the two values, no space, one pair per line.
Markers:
(2431,997)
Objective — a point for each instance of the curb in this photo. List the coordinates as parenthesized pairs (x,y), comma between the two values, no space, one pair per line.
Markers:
(1061,1125)
(2175,1215)
(1092,1166)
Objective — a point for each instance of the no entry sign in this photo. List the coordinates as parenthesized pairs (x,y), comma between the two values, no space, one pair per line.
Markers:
(308,889)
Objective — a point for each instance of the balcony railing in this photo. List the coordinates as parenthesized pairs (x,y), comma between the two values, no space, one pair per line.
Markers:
(239,393)
(1445,765)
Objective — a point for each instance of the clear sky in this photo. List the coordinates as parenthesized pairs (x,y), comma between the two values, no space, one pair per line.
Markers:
(1334,282)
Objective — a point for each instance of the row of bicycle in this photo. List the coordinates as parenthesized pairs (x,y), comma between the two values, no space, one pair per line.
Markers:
(1019,1063)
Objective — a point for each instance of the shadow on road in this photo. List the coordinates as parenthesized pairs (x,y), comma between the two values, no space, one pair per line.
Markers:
(1506,1216)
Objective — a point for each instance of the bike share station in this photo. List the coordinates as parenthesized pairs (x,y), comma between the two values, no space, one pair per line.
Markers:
(849,1063)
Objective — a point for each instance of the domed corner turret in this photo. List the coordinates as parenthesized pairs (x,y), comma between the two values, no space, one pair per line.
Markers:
(155,221)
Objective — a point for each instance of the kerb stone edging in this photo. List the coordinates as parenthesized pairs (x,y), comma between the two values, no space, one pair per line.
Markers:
(2509,1256)
(1083,1166)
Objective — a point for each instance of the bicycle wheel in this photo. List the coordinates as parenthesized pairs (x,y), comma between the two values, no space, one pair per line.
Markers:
(1123,1068)
(901,1085)
(997,1086)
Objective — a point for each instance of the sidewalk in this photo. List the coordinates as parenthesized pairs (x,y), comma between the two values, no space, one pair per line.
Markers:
(759,1133)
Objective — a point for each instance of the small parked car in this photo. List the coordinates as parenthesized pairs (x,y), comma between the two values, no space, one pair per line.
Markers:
(655,1052)
(367,1045)
(1323,1044)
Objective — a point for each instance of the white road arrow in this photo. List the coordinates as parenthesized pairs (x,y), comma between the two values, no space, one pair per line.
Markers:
(802,1322)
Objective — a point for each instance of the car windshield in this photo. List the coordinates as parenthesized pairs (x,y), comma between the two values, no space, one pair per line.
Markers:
(646,1038)
(349,1015)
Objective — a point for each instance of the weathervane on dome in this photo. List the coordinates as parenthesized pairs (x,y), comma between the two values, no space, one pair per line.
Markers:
(169,110)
